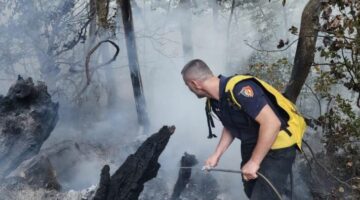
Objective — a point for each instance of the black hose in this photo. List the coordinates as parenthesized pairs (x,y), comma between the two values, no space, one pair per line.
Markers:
(239,172)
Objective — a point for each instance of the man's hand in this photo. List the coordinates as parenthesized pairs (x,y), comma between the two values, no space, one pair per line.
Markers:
(225,141)
(249,170)
(212,161)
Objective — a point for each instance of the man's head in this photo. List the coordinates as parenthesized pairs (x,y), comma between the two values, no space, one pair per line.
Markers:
(195,73)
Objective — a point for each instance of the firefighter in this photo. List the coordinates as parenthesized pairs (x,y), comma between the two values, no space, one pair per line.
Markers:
(267,124)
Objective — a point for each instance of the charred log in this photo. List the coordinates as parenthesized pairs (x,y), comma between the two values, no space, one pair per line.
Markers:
(27,117)
(128,181)
(187,160)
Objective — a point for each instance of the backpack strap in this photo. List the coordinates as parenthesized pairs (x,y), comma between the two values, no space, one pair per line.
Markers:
(209,118)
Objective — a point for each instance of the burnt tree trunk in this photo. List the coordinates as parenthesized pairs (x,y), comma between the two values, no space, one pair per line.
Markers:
(128,181)
(187,160)
(133,60)
(27,117)
(305,51)
(186,28)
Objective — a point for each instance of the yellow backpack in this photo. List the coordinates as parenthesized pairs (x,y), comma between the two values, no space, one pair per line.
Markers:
(295,130)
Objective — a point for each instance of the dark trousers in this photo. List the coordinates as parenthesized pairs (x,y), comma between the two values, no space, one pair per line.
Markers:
(276,167)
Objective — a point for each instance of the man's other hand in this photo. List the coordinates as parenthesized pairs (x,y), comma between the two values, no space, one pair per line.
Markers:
(212,161)
(249,170)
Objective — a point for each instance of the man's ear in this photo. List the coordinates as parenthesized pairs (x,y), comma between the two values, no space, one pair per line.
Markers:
(195,84)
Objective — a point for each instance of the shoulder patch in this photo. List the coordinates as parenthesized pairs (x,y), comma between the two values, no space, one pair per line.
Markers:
(247,91)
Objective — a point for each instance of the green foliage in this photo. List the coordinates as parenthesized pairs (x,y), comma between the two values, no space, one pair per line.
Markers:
(336,80)
(274,73)
(341,42)
(341,51)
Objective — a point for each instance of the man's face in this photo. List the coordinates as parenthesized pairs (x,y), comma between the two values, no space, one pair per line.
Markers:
(194,86)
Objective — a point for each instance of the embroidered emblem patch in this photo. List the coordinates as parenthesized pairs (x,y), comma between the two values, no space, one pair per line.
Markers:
(247,91)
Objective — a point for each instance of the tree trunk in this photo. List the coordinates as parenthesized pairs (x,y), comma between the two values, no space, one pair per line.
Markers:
(305,51)
(102,10)
(133,60)
(186,28)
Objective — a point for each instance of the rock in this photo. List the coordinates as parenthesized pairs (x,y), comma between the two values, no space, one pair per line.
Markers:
(27,117)
(37,172)
(74,160)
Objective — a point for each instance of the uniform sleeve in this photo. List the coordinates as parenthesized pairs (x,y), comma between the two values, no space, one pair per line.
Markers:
(250,96)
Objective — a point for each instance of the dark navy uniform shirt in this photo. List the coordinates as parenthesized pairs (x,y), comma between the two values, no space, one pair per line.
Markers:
(241,121)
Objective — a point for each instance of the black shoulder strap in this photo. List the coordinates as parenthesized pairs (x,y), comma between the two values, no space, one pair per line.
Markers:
(209,118)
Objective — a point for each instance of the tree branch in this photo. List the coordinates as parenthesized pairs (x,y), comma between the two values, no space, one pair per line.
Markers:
(87,61)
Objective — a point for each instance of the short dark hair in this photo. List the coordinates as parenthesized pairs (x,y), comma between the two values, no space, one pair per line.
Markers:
(197,69)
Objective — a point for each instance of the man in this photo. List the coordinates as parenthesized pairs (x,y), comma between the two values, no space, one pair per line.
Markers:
(254,112)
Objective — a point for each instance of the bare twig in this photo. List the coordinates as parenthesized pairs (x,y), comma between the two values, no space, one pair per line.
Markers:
(76,40)
(315,95)
(325,169)
(271,51)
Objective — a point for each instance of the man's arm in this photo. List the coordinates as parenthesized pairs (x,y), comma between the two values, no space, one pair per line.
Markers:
(268,131)
(225,141)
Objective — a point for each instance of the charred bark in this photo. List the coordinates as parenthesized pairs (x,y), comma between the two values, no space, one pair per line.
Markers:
(27,117)
(128,181)
(138,90)
(305,51)
(187,160)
